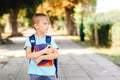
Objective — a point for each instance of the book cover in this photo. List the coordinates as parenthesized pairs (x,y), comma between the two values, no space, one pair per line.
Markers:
(43,62)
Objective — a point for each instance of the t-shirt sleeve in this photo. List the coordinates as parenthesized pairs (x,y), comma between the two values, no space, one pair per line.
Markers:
(27,43)
(53,44)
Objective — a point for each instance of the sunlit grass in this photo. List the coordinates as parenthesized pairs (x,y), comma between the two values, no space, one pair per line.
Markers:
(112,54)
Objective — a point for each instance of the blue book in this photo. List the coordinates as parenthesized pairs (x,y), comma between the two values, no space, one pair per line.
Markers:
(43,62)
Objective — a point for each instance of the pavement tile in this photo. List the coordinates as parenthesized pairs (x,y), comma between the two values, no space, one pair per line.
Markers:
(75,62)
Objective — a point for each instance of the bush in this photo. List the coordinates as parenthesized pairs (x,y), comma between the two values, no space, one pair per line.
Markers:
(116,35)
(103,34)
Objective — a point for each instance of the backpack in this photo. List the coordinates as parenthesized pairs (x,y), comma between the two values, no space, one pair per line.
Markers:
(48,41)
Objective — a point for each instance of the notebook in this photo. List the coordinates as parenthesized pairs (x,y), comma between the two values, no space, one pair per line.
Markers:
(43,62)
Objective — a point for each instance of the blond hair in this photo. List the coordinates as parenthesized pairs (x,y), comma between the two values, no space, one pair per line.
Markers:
(36,18)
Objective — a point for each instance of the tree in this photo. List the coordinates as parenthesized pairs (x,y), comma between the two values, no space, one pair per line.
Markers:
(13,7)
(0,33)
(68,6)
(2,11)
(82,11)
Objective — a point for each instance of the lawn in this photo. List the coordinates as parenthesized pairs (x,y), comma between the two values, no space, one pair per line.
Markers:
(112,54)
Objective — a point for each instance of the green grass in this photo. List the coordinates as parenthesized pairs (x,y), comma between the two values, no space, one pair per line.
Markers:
(112,54)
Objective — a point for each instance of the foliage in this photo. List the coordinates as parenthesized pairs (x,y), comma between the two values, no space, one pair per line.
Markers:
(22,20)
(104,24)
(103,34)
(12,7)
(51,8)
(82,35)
(83,9)
(3,6)
(30,5)
(109,17)
(116,35)
(3,19)
(77,14)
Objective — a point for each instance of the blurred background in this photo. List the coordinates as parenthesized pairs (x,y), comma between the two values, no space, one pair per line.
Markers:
(91,23)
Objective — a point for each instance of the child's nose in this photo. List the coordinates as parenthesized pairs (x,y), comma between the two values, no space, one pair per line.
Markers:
(48,26)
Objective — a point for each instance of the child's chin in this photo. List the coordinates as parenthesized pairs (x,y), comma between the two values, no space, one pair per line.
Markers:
(45,32)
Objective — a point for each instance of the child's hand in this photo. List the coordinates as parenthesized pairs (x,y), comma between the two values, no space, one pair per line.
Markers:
(38,60)
(48,50)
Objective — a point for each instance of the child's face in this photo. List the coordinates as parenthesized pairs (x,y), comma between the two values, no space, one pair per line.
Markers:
(43,24)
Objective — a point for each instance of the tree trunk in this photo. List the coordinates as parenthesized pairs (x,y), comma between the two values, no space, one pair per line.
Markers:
(71,29)
(13,22)
(96,32)
(0,33)
(1,40)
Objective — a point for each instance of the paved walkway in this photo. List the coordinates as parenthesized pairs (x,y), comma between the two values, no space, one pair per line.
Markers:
(75,62)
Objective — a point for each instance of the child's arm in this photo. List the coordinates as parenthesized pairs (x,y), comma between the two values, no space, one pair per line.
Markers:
(55,54)
(31,55)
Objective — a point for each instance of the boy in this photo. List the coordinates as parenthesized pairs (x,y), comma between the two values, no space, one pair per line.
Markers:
(41,24)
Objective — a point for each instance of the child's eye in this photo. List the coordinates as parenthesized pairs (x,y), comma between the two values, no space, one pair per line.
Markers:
(47,23)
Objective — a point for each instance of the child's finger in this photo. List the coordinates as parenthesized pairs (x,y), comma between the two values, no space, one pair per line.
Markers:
(49,46)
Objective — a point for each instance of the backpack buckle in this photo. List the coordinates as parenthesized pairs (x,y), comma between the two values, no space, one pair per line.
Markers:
(32,41)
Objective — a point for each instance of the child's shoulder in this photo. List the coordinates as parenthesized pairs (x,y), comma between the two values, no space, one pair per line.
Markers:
(31,38)
(48,35)
(32,35)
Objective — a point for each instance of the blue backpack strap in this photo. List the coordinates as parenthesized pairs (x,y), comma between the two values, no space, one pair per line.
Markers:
(56,66)
(32,41)
(48,41)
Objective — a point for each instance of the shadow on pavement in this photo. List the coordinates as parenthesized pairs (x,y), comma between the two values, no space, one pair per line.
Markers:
(75,62)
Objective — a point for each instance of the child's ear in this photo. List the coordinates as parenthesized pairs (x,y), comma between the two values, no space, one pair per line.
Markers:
(35,26)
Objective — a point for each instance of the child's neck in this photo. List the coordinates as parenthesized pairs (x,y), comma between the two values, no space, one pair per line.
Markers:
(39,35)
